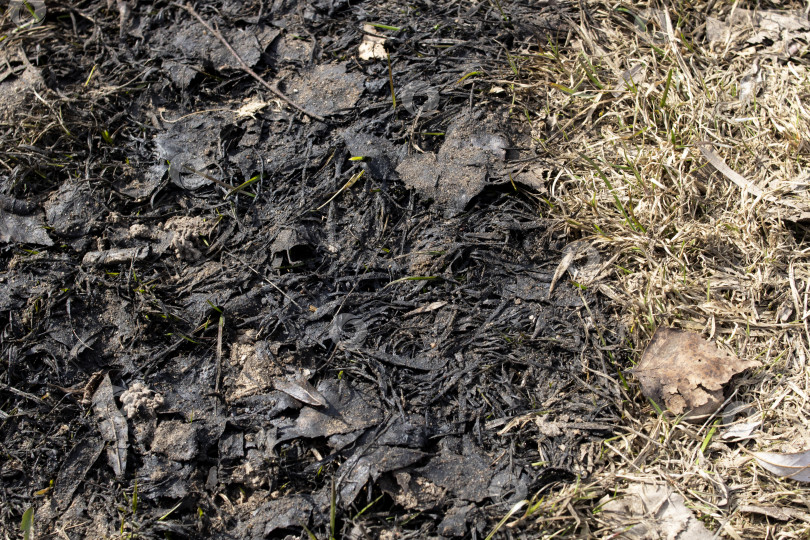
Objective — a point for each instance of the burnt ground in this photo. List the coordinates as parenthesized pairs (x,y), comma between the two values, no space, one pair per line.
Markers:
(214,325)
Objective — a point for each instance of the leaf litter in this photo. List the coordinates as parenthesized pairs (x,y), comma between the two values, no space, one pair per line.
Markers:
(343,296)
(686,373)
(791,466)
(652,511)
(112,425)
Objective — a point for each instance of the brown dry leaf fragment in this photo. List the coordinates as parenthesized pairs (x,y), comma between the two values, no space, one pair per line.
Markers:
(770,31)
(718,163)
(250,108)
(793,466)
(112,425)
(739,432)
(425,309)
(301,390)
(751,83)
(561,268)
(687,373)
(91,386)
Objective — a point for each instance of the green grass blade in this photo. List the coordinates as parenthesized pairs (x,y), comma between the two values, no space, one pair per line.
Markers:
(516,508)
(309,533)
(27,524)
(171,510)
(708,438)
(619,206)
(242,186)
(385,27)
(666,88)
(591,74)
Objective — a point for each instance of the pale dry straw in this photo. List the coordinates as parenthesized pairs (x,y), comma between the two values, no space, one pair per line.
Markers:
(724,254)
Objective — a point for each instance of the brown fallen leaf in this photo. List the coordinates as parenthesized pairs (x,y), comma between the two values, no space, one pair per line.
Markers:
(687,373)
(771,31)
(561,268)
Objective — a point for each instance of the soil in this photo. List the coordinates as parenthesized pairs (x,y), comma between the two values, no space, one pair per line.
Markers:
(225,318)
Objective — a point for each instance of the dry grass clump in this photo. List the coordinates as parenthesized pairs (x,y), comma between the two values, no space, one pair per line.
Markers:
(691,180)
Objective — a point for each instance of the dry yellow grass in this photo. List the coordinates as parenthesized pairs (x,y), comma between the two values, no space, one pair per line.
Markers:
(707,237)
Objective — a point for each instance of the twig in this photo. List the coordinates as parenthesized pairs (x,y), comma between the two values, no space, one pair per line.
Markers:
(247,68)
(20,393)
(219,351)
(276,287)
(207,177)
(346,186)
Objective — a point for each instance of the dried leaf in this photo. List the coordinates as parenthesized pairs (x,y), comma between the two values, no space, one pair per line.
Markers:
(372,45)
(300,390)
(798,211)
(631,78)
(424,309)
(769,29)
(739,432)
(75,467)
(718,163)
(793,466)
(751,83)
(561,268)
(653,511)
(250,108)
(747,186)
(687,373)
(591,267)
(743,428)
(112,425)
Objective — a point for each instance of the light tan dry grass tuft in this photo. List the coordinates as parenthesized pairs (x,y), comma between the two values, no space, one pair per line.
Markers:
(696,247)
